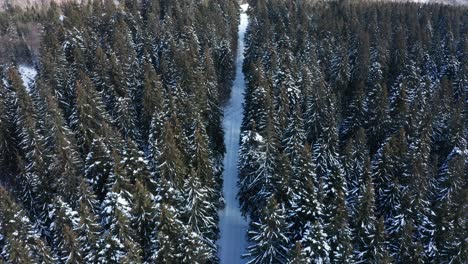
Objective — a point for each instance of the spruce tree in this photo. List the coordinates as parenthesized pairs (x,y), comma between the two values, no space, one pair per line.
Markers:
(214,127)
(143,214)
(126,119)
(98,167)
(306,205)
(152,100)
(268,236)
(296,255)
(66,163)
(119,241)
(200,188)
(376,108)
(266,178)
(88,228)
(170,235)
(336,220)
(388,169)
(66,242)
(355,157)
(197,249)
(449,210)
(366,247)
(34,187)
(89,117)
(19,240)
(248,166)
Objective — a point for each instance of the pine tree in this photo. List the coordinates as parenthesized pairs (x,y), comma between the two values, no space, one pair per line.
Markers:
(7,127)
(201,154)
(340,71)
(284,191)
(316,246)
(100,76)
(331,177)
(286,91)
(381,255)
(294,139)
(360,62)
(316,102)
(258,101)
(137,166)
(402,244)
(355,112)
(399,102)
(214,127)
(418,182)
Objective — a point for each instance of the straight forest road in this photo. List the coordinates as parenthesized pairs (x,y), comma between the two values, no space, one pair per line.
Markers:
(233,226)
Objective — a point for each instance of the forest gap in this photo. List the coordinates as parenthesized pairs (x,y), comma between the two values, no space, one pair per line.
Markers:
(233,226)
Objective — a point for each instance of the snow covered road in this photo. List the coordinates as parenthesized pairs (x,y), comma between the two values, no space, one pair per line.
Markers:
(233,226)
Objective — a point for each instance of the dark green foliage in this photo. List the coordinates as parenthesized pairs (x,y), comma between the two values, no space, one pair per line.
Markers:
(20,243)
(269,235)
(114,151)
(353,146)
(374,88)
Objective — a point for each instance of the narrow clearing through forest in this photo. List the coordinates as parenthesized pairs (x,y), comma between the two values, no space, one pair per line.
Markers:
(233,226)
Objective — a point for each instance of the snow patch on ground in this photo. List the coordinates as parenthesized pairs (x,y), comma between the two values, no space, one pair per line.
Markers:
(28,75)
(244,7)
(233,226)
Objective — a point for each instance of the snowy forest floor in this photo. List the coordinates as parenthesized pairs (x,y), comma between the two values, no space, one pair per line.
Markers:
(233,226)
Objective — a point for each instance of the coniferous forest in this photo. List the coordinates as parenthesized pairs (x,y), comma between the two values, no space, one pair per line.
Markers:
(353,145)
(115,154)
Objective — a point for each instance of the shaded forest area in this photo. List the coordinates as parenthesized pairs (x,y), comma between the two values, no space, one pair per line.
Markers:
(114,155)
(354,135)
(20,36)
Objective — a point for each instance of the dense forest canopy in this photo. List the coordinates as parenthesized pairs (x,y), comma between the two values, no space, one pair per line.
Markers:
(354,135)
(353,144)
(114,155)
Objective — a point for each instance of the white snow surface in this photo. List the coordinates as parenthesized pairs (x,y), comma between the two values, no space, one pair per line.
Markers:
(244,8)
(233,225)
(447,2)
(28,75)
